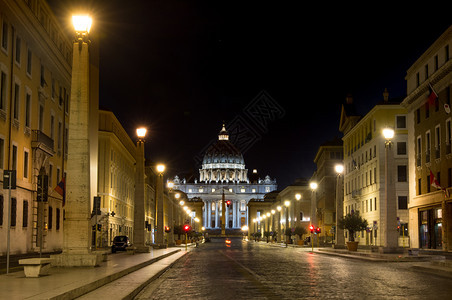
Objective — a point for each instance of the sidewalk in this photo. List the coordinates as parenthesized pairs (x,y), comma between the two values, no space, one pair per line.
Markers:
(439,263)
(69,283)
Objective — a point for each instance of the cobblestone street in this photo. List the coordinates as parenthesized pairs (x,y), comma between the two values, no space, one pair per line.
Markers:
(248,270)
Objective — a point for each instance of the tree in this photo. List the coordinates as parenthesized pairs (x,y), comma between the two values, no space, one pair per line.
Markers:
(267,234)
(352,222)
(300,231)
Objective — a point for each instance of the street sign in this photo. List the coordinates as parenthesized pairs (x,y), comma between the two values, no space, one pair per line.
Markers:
(9,179)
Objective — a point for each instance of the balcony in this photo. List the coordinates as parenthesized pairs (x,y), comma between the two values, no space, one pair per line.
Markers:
(41,141)
(356,193)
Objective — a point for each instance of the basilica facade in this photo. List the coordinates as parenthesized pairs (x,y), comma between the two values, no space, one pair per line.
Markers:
(223,175)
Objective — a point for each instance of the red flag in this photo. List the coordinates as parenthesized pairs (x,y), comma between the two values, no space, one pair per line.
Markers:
(61,189)
(433,95)
(434,182)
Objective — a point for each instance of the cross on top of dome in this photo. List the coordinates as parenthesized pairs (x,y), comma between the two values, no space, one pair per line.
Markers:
(223,135)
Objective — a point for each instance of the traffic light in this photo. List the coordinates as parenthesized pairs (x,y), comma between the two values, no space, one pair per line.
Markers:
(311,228)
(99,227)
(187,228)
(228,203)
(318,230)
(167,229)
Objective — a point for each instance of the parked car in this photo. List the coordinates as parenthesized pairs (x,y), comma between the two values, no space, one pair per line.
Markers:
(120,243)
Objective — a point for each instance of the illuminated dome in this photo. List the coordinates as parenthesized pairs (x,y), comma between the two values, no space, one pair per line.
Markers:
(223,162)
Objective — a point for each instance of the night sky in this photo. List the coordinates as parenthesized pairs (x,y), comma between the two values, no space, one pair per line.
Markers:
(181,68)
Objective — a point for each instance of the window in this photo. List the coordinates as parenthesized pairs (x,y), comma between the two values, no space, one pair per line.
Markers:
(375,203)
(375,175)
(57,217)
(50,218)
(18,44)
(1,210)
(401,173)
(448,132)
(435,61)
(52,127)
(43,80)
(5,35)
(401,148)
(253,190)
(53,89)
(403,202)
(401,122)
(3,91)
(13,211)
(428,183)
(426,72)
(449,177)
(418,115)
(267,189)
(437,140)
(2,152)
(419,190)
(418,82)
(25,214)
(370,204)
(427,147)
(14,158)
(29,61)
(242,190)
(28,110)
(446,52)
(25,164)
(60,130)
(427,110)
(16,102)
(243,206)
(41,118)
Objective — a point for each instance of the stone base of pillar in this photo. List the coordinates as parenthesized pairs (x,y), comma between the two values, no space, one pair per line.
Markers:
(339,246)
(159,246)
(76,259)
(383,250)
(142,249)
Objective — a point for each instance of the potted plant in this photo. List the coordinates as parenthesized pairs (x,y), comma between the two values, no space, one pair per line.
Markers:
(352,222)
(267,234)
(300,231)
(179,231)
(288,233)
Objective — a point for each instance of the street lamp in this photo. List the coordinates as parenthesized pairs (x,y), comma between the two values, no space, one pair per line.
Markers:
(278,208)
(287,204)
(390,232)
(339,239)
(313,185)
(76,232)
(159,204)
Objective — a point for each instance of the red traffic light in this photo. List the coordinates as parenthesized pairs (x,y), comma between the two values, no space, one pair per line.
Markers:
(167,229)
(318,230)
(311,228)
(228,203)
(187,228)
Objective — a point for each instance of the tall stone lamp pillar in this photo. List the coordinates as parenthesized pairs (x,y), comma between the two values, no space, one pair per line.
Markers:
(139,230)
(339,241)
(77,230)
(389,220)
(160,238)
(223,215)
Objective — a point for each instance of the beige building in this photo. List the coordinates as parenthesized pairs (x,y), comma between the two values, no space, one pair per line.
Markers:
(364,170)
(35,78)
(429,146)
(328,156)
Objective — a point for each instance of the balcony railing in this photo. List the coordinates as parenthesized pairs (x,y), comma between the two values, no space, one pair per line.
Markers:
(42,141)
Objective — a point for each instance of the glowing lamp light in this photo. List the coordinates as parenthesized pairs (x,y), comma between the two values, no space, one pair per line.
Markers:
(287,203)
(268,214)
(170,184)
(273,211)
(388,133)
(278,208)
(182,202)
(141,132)
(339,169)
(298,196)
(313,185)
(245,228)
(82,24)
(160,168)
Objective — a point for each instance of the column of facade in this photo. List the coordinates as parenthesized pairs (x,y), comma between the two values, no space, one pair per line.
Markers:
(246,216)
(226,219)
(204,215)
(234,214)
(209,214)
(216,214)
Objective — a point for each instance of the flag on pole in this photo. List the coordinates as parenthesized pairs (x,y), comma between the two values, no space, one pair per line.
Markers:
(61,189)
(432,96)
(434,182)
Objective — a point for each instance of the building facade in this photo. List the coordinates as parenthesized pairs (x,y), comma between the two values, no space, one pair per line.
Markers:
(428,102)
(328,156)
(35,79)
(364,170)
(223,172)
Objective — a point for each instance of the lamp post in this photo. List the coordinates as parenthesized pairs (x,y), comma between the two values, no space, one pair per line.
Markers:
(339,239)
(76,232)
(139,238)
(255,228)
(389,220)
(296,209)
(278,208)
(313,185)
(273,221)
(159,205)
(287,204)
